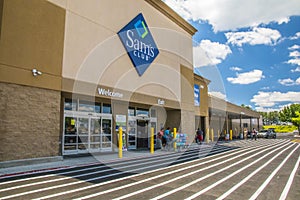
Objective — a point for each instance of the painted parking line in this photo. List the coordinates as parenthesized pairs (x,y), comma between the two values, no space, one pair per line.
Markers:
(290,181)
(267,181)
(96,166)
(166,182)
(164,174)
(246,179)
(221,170)
(152,178)
(115,180)
(59,186)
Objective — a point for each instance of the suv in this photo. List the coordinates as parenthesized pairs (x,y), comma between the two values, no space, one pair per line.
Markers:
(271,133)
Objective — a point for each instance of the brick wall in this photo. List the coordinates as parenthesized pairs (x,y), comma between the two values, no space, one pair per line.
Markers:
(29,122)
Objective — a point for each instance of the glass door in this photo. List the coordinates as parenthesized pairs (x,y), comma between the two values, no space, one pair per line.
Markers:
(83,133)
(86,133)
(95,134)
(132,131)
(70,139)
(106,134)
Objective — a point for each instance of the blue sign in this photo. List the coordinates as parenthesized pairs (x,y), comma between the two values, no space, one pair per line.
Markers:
(139,43)
(196,95)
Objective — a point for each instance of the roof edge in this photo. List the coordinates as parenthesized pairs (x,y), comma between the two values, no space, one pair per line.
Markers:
(171,14)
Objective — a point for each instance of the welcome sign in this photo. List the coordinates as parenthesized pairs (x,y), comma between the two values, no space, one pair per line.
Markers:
(139,43)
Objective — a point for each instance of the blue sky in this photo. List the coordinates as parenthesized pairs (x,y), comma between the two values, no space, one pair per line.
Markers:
(250,50)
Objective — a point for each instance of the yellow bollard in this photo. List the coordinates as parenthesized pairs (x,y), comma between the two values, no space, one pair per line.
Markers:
(230,136)
(120,142)
(174,137)
(212,135)
(207,135)
(152,141)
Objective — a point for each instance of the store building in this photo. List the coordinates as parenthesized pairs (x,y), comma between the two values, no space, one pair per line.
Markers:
(73,72)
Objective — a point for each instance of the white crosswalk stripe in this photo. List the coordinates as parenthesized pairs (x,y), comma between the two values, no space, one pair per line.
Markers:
(176,174)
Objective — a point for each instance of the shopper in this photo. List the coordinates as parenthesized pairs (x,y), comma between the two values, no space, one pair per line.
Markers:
(199,136)
(254,133)
(160,138)
(168,138)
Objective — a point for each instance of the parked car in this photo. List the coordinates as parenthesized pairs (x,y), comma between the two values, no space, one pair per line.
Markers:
(262,133)
(271,134)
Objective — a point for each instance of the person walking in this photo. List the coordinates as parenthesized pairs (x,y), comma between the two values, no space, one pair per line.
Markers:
(199,136)
(160,138)
(167,136)
(254,133)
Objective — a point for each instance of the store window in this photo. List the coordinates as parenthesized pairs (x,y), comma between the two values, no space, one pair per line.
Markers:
(153,112)
(142,112)
(87,106)
(106,108)
(131,111)
(70,104)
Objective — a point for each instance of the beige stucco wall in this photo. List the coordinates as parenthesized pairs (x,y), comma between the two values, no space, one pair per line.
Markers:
(32,35)
(93,52)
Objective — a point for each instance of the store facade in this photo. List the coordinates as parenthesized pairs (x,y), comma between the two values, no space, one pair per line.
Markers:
(73,72)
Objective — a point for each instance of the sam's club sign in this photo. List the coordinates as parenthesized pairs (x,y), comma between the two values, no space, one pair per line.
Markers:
(139,43)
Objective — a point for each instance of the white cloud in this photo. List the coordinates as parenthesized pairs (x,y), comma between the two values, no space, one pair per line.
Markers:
(247,77)
(295,57)
(294,47)
(235,69)
(265,88)
(271,99)
(294,61)
(294,54)
(289,82)
(256,36)
(296,70)
(219,95)
(296,36)
(210,53)
(232,14)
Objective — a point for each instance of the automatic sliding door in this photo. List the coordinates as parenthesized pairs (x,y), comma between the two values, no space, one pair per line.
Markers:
(95,134)
(70,134)
(83,133)
(132,128)
(106,134)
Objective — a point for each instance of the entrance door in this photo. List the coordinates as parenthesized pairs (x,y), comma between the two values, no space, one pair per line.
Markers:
(106,134)
(95,134)
(83,133)
(142,133)
(87,133)
(132,133)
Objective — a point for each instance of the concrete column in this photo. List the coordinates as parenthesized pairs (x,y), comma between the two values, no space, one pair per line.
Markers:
(241,128)
(227,126)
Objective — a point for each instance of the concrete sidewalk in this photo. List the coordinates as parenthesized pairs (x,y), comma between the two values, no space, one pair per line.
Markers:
(76,160)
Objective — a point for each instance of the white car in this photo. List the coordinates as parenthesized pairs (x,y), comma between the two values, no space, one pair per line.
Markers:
(262,133)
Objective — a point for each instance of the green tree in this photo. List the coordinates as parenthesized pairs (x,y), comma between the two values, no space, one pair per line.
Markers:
(289,112)
(296,120)
(244,106)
